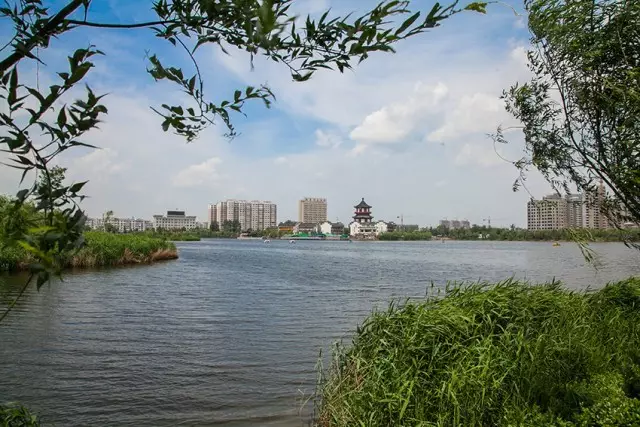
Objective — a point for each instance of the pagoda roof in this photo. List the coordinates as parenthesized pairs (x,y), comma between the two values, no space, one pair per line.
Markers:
(362,204)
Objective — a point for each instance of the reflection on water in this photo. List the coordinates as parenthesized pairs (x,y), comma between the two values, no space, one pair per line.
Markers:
(229,334)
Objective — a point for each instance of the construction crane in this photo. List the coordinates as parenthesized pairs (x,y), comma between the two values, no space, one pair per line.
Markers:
(488,220)
(401,218)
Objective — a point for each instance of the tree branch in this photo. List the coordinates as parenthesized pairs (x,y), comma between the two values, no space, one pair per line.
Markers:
(47,30)
(105,25)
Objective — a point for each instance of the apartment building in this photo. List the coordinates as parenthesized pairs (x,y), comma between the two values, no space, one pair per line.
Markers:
(550,213)
(312,210)
(122,225)
(455,224)
(252,215)
(174,220)
(572,211)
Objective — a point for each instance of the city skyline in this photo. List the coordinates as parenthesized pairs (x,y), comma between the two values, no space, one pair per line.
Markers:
(392,125)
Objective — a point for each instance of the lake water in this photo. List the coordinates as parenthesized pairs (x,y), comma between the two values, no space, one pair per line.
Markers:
(229,334)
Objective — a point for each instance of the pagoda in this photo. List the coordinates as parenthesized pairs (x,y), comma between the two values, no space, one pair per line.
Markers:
(363,213)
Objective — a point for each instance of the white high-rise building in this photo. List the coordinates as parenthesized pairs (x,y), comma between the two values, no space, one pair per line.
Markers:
(252,215)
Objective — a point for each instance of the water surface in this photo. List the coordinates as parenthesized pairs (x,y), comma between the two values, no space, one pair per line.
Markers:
(229,334)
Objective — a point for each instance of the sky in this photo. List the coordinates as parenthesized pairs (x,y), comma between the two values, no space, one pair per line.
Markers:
(406,131)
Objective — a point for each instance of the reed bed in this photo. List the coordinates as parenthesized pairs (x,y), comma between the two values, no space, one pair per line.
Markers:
(508,354)
(101,249)
(107,249)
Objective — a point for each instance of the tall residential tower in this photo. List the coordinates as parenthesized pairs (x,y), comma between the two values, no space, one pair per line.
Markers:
(252,215)
(312,210)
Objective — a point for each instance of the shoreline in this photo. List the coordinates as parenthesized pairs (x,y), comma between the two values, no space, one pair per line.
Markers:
(101,250)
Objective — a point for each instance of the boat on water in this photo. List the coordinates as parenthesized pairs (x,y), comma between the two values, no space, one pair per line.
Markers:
(292,241)
(555,244)
(267,241)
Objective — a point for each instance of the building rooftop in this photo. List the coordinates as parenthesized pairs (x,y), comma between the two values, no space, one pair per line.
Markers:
(306,224)
(362,204)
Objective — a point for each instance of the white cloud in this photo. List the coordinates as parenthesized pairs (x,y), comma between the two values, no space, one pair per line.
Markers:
(439,184)
(327,139)
(476,154)
(205,173)
(393,123)
(99,164)
(280,160)
(480,112)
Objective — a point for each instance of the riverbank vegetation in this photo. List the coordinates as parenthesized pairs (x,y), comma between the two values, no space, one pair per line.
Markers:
(502,355)
(174,236)
(408,235)
(477,232)
(17,416)
(100,249)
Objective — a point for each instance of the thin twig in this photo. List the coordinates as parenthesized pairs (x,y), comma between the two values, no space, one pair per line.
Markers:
(24,288)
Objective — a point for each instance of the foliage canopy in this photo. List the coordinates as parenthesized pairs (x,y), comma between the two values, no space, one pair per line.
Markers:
(580,111)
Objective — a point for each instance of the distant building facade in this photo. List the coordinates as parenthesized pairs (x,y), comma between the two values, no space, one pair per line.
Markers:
(252,215)
(312,209)
(382,227)
(555,212)
(329,228)
(122,225)
(304,227)
(455,224)
(550,213)
(174,220)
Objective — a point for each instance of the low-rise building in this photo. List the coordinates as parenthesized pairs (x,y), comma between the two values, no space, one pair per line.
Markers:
(329,228)
(174,220)
(363,230)
(304,227)
(121,225)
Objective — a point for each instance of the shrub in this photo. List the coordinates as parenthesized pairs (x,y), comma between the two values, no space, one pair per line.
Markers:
(17,416)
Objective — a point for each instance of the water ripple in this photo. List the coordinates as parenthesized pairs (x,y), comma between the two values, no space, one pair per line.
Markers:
(229,334)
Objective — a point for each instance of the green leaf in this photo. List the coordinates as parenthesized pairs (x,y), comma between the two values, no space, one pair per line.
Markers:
(13,86)
(77,187)
(480,7)
(62,117)
(406,24)
(21,195)
(43,277)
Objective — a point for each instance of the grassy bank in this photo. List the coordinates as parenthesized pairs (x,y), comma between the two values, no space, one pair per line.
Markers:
(174,236)
(505,355)
(101,249)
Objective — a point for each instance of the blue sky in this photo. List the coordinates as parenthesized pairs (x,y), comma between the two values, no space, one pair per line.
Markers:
(407,131)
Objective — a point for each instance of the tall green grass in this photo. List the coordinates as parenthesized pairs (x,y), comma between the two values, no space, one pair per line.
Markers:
(101,249)
(174,236)
(508,354)
(108,249)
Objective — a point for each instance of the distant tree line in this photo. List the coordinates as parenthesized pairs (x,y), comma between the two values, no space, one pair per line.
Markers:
(477,232)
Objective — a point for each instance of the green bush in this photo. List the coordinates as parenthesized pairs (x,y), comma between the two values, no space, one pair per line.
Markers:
(12,258)
(508,354)
(17,416)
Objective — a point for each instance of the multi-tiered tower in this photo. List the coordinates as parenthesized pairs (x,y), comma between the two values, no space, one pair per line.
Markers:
(363,213)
